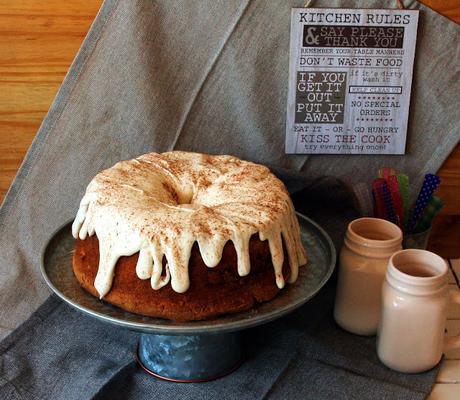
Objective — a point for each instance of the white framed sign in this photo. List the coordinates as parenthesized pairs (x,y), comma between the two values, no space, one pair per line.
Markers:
(350,77)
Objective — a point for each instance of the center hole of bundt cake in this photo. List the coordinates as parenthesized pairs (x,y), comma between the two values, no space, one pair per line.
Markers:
(182,196)
(185,196)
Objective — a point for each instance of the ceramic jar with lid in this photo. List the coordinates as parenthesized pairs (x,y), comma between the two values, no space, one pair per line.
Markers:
(368,245)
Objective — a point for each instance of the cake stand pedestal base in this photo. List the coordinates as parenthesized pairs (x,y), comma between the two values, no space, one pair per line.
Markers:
(189,358)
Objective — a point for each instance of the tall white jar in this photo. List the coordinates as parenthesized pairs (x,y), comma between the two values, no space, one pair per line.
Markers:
(368,245)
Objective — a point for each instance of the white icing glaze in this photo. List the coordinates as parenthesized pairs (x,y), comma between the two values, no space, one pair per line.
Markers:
(161,204)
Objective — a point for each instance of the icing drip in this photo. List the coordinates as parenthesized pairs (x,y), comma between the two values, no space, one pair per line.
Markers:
(161,204)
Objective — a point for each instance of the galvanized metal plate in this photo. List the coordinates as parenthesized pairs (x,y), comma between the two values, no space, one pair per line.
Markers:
(58,274)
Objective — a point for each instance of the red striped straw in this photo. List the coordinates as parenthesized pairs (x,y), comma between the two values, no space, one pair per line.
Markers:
(393,186)
(386,172)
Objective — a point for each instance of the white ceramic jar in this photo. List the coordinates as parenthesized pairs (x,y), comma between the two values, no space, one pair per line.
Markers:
(415,295)
(368,245)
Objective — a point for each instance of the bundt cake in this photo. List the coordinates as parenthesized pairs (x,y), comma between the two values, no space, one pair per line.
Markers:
(186,236)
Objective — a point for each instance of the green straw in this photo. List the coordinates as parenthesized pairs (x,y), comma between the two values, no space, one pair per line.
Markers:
(431,210)
(403,183)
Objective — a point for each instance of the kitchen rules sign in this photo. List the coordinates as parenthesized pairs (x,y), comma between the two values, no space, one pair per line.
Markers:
(350,76)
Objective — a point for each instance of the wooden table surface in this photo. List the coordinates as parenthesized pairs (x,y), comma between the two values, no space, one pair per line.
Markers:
(38,40)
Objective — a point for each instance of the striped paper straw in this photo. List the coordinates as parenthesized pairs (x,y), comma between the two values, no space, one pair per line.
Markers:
(430,183)
(386,172)
(403,183)
(389,206)
(392,182)
(431,210)
(379,203)
(364,197)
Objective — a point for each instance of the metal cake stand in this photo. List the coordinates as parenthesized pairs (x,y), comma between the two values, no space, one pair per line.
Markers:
(198,350)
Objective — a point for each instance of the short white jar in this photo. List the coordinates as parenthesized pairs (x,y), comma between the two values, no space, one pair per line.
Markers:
(415,295)
(368,245)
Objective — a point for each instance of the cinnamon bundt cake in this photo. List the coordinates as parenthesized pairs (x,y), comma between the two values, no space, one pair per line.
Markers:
(186,236)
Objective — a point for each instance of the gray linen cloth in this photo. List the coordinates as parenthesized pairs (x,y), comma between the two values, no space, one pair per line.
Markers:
(209,76)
